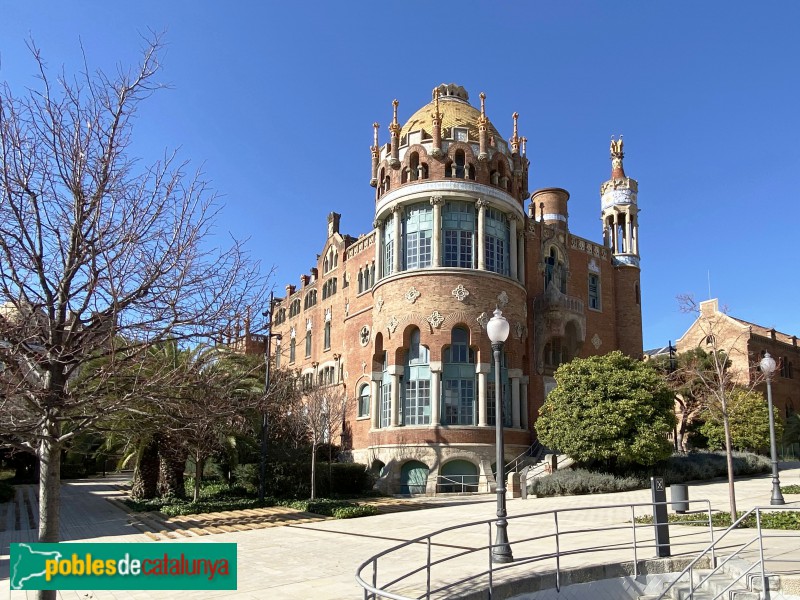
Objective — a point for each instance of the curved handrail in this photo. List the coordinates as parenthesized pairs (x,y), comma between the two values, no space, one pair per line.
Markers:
(373,590)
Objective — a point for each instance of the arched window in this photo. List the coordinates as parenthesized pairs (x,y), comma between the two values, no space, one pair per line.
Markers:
(418,231)
(327,336)
(308,344)
(363,401)
(417,376)
(372,274)
(555,271)
(458,229)
(360,281)
(459,380)
(459,164)
(424,171)
(413,165)
(292,350)
(497,234)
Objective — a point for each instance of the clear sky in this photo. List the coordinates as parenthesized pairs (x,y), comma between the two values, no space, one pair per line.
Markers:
(276,100)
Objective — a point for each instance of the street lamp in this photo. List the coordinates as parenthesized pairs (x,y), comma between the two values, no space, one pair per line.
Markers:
(498,328)
(767,365)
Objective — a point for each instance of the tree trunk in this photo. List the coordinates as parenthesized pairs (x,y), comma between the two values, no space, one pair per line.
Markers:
(49,492)
(729,457)
(198,475)
(313,470)
(49,488)
(145,476)
(173,463)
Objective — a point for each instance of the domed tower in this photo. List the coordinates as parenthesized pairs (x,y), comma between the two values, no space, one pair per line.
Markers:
(449,248)
(621,235)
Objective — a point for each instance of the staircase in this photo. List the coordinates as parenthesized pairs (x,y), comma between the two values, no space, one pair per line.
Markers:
(731,582)
(740,576)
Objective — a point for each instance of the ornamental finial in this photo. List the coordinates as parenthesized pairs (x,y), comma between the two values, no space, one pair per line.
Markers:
(394,127)
(617,154)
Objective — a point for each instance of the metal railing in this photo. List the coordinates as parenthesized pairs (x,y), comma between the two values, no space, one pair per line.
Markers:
(458,484)
(452,551)
(756,541)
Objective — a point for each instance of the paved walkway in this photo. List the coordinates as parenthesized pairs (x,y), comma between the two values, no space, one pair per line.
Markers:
(317,560)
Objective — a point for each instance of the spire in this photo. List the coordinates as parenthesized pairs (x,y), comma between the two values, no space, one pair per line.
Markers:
(515,138)
(436,151)
(375,156)
(617,172)
(394,128)
(482,130)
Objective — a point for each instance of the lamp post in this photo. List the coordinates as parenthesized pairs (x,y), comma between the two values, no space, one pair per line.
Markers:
(498,328)
(767,365)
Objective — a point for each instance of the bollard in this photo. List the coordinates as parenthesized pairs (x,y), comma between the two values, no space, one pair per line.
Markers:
(660,518)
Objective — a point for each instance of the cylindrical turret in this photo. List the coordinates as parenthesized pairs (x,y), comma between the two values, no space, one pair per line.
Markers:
(550,206)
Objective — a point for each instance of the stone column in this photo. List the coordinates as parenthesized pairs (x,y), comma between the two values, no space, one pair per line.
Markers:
(524,401)
(374,390)
(481,205)
(395,371)
(398,242)
(514,375)
(378,225)
(512,252)
(436,258)
(436,393)
(628,232)
(482,369)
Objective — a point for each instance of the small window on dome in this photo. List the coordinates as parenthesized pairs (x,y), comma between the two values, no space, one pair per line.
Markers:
(460,134)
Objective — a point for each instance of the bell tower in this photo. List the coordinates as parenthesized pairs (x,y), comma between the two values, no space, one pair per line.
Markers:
(620,216)
(620,211)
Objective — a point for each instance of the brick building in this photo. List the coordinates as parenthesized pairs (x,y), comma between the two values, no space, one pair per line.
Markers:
(745,344)
(398,315)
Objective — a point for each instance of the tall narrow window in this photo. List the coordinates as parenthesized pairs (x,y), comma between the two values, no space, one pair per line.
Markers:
(308,344)
(459,164)
(458,228)
(555,271)
(278,354)
(459,380)
(327,335)
(292,349)
(385,401)
(594,291)
(417,375)
(363,401)
(497,235)
(418,226)
(388,246)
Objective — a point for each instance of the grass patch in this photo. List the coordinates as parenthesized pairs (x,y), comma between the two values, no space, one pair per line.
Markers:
(791,489)
(786,520)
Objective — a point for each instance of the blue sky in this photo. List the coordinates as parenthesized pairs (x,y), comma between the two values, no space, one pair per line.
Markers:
(275,102)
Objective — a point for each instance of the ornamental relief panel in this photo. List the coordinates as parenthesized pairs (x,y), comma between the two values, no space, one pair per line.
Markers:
(412,294)
(460,293)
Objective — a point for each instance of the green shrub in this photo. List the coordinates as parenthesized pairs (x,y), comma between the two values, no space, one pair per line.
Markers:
(210,506)
(351,512)
(574,482)
(786,520)
(679,468)
(6,492)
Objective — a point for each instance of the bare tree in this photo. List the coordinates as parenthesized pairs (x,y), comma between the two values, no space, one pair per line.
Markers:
(100,257)
(325,407)
(719,372)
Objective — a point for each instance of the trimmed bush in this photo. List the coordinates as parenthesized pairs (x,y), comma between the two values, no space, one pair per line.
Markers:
(6,492)
(577,482)
(679,468)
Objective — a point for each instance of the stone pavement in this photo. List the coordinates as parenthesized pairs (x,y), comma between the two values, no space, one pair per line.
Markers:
(317,560)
